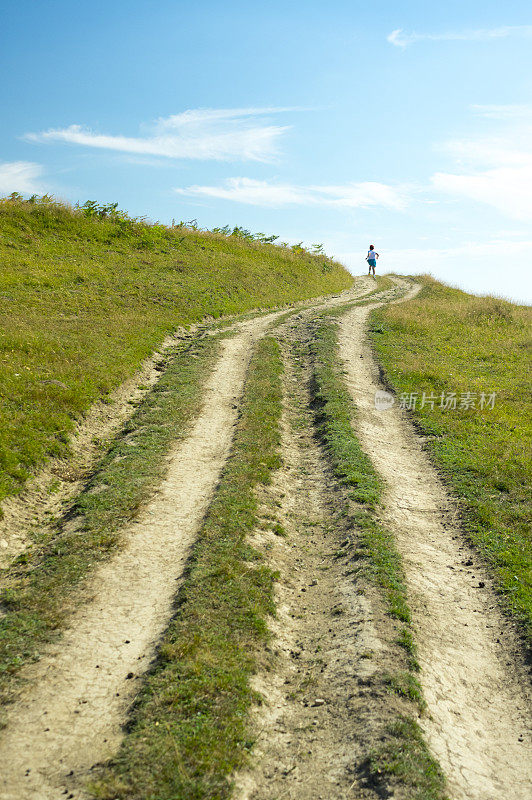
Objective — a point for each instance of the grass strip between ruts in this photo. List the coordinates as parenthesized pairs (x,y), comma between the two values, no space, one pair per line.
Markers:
(38,589)
(403,757)
(188,730)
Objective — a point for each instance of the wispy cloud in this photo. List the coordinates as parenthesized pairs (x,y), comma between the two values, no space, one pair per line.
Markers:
(496,171)
(512,112)
(199,116)
(399,38)
(202,134)
(265,193)
(502,247)
(20,176)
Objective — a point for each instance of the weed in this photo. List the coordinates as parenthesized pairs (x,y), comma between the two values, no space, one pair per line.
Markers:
(405,756)
(406,685)
(406,641)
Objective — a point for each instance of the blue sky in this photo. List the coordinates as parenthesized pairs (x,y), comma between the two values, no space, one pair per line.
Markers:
(403,124)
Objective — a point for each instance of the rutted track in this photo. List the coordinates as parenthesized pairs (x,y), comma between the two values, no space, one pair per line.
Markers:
(38,505)
(69,716)
(81,689)
(479,708)
(319,716)
(478,719)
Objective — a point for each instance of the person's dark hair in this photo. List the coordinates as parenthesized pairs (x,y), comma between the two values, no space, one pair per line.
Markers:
(372,247)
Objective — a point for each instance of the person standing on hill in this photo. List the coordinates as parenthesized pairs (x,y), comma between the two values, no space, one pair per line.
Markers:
(371,258)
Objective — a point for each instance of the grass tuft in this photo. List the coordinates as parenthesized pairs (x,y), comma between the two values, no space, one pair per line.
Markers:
(406,685)
(404,755)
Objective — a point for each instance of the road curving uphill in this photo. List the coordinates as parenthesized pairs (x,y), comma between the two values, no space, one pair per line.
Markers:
(336,644)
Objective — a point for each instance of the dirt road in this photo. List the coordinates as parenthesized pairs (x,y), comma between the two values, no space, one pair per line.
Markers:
(318,712)
(317,720)
(70,715)
(324,710)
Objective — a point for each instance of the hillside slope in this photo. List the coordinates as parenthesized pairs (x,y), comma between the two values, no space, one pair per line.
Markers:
(84,299)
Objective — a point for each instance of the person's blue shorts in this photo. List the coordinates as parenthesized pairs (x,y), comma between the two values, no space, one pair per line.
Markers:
(372,262)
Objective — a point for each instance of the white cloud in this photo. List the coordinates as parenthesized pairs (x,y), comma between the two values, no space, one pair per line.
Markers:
(398,38)
(506,249)
(264,193)
(512,112)
(496,171)
(509,189)
(424,259)
(494,151)
(401,39)
(247,190)
(20,176)
(363,195)
(206,134)
(198,116)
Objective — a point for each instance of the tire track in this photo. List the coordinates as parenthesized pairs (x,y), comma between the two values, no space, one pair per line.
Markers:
(478,698)
(36,504)
(77,696)
(72,718)
(315,725)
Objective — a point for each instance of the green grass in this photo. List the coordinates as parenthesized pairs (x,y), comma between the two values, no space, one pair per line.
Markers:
(191,717)
(444,341)
(38,590)
(84,300)
(404,756)
(403,760)
(405,684)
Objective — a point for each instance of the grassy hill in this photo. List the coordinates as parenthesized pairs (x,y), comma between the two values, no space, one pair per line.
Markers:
(448,342)
(87,294)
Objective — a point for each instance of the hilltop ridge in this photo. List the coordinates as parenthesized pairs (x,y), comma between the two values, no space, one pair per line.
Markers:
(86,294)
